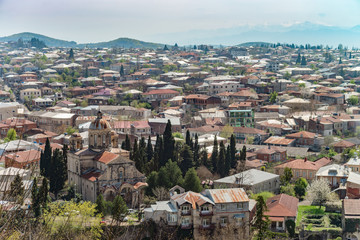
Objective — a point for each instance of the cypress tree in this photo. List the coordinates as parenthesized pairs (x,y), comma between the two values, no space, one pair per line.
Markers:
(58,174)
(47,158)
(86,74)
(188,139)
(233,151)
(122,73)
(186,159)
(204,159)
(215,156)
(298,60)
(159,152)
(127,143)
(196,153)
(261,220)
(227,161)
(221,160)
(36,207)
(134,149)
(142,154)
(44,193)
(303,61)
(119,209)
(42,163)
(169,143)
(71,54)
(242,158)
(149,150)
(100,205)
(123,145)
(64,153)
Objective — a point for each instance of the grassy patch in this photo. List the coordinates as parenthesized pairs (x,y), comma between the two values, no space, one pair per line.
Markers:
(308,210)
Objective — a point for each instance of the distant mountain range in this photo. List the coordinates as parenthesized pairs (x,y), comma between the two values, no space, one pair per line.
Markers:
(53,42)
(300,33)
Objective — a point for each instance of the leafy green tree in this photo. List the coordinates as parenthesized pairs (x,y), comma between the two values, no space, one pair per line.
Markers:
(100,204)
(152,181)
(227,131)
(215,156)
(262,221)
(169,143)
(288,189)
(119,209)
(300,187)
(11,135)
(290,227)
(353,100)
(174,174)
(287,75)
(286,177)
(273,97)
(17,189)
(186,159)
(70,130)
(192,181)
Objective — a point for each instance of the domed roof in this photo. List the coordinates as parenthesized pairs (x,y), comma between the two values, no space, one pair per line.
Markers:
(100,123)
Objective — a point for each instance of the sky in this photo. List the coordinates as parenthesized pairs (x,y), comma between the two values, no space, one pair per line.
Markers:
(103,20)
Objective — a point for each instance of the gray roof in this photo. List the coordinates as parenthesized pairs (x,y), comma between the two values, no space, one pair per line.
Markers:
(162,206)
(249,178)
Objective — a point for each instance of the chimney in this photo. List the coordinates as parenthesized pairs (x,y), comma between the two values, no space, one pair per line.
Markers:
(305,159)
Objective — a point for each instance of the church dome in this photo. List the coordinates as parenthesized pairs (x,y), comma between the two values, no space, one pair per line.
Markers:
(100,123)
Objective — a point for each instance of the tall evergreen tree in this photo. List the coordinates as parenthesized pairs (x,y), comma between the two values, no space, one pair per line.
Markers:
(159,152)
(233,151)
(192,181)
(169,143)
(36,205)
(42,163)
(17,189)
(298,60)
(86,74)
(122,73)
(58,174)
(100,205)
(166,48)
(242,159)
(188,139)
(186,159)
(64,154)
(204,159)
(47,158)
(127,143)
(196,152)
(340,61)
(44,193)
(71,54)
(303,61)
(142,154)
(119,209)
(221,160)
(215,155)
(228,161)
(149,150)
(261,220)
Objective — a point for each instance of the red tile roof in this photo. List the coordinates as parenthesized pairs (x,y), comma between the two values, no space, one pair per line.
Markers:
(161,91)
(304,164)
(24,156)
(302,134)
(282,205)
(106,157)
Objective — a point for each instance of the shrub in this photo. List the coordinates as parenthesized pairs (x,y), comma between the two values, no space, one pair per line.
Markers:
(314,216)
(335,219)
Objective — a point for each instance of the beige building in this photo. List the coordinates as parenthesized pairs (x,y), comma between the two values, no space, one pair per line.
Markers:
(29,93)
(220,212)
(103,168)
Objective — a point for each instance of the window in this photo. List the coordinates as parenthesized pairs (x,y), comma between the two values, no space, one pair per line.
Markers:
(280,224)
(206,222)
(222,207)
(185,208)
(172,218)
(223,220)
(205,208)
(240,205)
(310,174)
(185,221)
(304,174)
(297,174)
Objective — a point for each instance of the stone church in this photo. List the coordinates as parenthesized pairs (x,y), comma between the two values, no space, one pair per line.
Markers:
(102,167)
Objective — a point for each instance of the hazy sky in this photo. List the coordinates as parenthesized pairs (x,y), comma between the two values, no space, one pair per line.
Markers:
(103,20)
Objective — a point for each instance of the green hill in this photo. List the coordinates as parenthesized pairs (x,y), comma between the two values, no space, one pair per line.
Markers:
(50,42)
(123,42)
(254,44)
(53,42)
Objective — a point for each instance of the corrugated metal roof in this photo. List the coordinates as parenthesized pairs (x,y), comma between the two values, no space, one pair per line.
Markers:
(229,195)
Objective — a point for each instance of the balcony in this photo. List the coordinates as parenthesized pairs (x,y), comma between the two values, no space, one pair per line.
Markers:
(206,213)
(186,226)
(185,213)
(207,227)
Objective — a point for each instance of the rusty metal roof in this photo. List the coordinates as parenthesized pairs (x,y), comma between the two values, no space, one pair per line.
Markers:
(195,199)
(229,195)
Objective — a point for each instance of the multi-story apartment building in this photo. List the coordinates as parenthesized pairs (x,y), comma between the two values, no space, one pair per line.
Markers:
(211,209)
(30,93)
(241,118)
